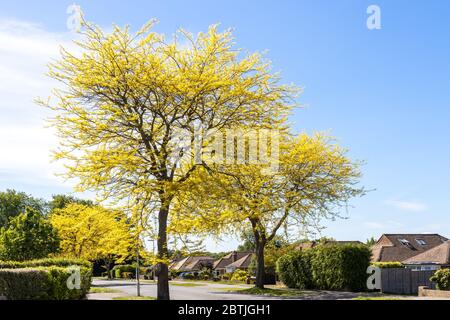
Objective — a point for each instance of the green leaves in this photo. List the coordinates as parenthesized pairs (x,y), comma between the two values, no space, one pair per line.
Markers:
(28,236)
(442,279)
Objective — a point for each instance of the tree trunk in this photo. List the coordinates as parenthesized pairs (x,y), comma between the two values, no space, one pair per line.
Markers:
(163,268)
(260,267)
(108,269)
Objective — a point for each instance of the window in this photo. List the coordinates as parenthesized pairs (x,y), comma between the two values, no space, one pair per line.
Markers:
(406,243)
(421,242)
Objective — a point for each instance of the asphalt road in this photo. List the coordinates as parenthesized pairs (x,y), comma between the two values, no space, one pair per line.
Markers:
(208,291)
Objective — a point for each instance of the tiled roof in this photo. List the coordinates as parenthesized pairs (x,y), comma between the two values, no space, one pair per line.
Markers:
(243,262)
(191,263)
(230,258)
(399,247)
(437,255)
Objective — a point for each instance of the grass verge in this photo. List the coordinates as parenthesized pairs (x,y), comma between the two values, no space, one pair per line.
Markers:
(134,298)
(103,290)
(289,293)
(187,284)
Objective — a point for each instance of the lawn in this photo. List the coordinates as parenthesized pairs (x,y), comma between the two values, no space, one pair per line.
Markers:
(103,290)
(134,298)
(269,292)
(187,284)
(377,298)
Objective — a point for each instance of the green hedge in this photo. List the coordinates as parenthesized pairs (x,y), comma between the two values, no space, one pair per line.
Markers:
(330,267)
(120,270)
(56,262)
(42,283)
(294,270)
(388,265)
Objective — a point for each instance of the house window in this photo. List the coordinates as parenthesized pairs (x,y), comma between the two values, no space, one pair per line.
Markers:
(421,242)
(406,243)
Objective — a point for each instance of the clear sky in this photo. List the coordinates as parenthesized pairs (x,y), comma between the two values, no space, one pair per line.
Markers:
(383,93)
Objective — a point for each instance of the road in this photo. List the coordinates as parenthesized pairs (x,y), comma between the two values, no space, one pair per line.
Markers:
(207,291)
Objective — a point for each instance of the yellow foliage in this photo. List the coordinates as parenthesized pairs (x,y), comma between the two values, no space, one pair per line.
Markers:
(92,232)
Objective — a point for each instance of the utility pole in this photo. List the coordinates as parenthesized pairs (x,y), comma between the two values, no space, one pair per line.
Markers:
(138,276)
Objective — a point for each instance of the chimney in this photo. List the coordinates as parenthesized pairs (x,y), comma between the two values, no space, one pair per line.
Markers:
(234,256)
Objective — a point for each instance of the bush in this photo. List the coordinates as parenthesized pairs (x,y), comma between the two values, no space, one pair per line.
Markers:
(42,283)
(24,284)
(189,276)
(239,275)
(56,262)
(331,267)
(120,270)
(226,276)
(295,270)
(205,274)
(442,279)
(388,265)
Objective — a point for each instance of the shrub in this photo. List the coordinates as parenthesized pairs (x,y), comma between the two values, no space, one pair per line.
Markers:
(120,270)
(205,274)
(42,283)
(172,273)
(24,284)
(330,267)
(239,275)
(56,262)
(442,279)
(388,265)
(189,276)
(295,270)
(226,276)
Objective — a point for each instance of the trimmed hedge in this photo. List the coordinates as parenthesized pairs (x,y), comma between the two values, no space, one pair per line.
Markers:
(294,270)
(56,262)
(388,265)
(330,267)
(43,279)
(42,283)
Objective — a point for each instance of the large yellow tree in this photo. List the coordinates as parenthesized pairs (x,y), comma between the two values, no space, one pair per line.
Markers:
(314,181)
(126,97)
(93,233)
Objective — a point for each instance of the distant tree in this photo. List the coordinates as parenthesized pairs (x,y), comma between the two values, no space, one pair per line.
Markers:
(323,240)
(60,201)
(28,236)
(370,242)
(13,203)
(248,243)
(93,233)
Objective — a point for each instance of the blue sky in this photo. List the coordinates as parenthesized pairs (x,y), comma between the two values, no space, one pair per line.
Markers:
(383,93)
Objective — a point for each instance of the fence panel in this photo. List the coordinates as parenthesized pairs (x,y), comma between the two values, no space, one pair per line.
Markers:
(404,281)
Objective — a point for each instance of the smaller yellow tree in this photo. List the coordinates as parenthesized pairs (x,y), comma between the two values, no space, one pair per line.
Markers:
(93,233)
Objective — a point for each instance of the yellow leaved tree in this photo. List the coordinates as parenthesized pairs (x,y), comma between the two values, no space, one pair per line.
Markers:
(93,233)
(126,97)
(315,181)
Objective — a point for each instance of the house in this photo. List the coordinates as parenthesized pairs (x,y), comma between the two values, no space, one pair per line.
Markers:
(312,244)
(400,247)
(232,261)
(433,259)
(192,264)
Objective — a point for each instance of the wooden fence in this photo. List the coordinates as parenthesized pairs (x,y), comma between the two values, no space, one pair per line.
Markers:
(405,281)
